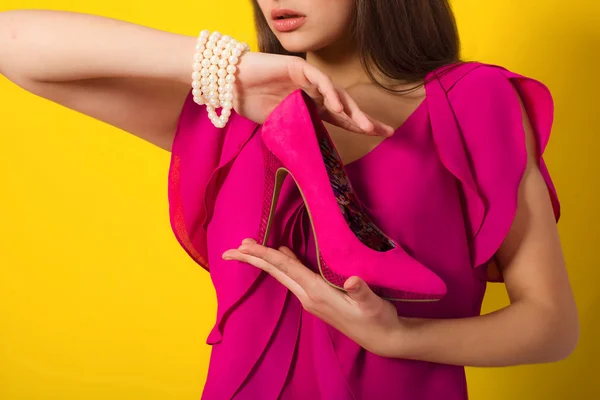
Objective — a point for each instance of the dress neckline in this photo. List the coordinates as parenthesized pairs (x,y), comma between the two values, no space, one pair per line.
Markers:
(407,122)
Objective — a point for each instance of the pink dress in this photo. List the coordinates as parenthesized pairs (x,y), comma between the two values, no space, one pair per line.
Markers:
(444,186)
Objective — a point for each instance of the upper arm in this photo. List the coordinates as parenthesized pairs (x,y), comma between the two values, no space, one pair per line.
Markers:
(147,108)
(530,258)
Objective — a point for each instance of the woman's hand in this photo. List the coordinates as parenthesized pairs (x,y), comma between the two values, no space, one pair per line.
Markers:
(359,313)
(264,80)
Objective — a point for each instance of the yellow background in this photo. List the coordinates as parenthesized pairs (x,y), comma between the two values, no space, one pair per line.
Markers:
(97,299)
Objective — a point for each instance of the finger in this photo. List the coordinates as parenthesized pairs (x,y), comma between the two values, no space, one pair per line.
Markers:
(341,120)
(346,112)
(380,127)
(297,71)
(288,252)
(308,286)
(282,262)
(341,104)
(325,87)
(275,272)
(320,291)
(355,113)
(359,291)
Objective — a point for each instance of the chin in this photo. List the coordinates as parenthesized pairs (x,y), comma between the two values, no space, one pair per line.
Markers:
(298,42)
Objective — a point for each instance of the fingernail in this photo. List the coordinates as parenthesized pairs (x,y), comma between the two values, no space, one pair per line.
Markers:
(226,256)
(248,240)
(243,249)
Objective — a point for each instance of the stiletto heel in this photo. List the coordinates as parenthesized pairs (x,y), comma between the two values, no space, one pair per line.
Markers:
(274,177)
(347,240)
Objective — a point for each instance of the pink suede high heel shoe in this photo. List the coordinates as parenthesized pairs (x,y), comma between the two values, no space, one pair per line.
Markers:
(296,142)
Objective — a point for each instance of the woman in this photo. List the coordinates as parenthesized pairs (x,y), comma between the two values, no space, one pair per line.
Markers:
(447,160)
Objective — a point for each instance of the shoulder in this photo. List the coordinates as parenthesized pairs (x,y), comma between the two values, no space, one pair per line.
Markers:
(477,82)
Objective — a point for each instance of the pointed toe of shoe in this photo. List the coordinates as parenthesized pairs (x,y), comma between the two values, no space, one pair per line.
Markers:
(429,286)
(420,284)
(438,288)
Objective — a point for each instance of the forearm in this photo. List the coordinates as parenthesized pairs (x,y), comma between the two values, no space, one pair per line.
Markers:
(48,45)
(521,333)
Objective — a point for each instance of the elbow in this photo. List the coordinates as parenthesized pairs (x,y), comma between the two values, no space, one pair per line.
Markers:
(566,342)
(561,333)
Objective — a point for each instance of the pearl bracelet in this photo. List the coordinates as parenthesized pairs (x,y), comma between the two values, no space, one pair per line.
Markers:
(213,73)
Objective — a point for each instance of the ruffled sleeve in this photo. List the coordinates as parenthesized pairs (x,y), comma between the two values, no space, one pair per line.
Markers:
(198,153)
(489,117)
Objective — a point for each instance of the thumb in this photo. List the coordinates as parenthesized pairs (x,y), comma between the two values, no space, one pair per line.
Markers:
(358,290)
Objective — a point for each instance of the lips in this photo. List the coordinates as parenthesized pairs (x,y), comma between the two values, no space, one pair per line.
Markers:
(285,13)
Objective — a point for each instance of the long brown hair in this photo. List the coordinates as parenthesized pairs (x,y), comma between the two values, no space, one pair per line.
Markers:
(404,39)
